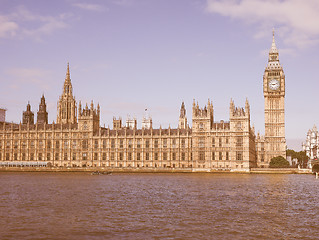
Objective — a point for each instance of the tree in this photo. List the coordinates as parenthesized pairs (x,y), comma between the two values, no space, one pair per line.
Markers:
(279,162)
(301,156)
(315,168)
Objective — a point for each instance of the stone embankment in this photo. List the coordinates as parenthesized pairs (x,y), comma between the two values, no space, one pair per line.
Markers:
(158,170)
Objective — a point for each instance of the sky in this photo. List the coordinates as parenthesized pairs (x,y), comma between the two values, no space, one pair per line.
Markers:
(132,55)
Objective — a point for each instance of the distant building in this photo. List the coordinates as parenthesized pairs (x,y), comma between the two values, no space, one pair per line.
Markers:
(311,146)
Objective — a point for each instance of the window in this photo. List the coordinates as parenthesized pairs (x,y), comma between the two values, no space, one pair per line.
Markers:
(96,144)
(112,143)
(104,144)
(121,143)
(227,156)
(112,156)
(121,156)
(174,156)
(104,157)
(40,156)
(202,156)
(84,156)
(147,143)
(32,144)
(183,143)
(16,144)
(213,142)
(129,156)
(147,156)
(164,156)
(138,157)
(220,156)
(130,143)
(74,156)
(74,144)
(84,144)
(174,143)
(213,155)
(95,156)
(32,156)
(66,144)
(65,156)
(220,142)
(239,156)
(239,142)
(138,143)
(48,156)
(57,144)
(164,143)
(183,156)
(49,144)
(227,140)
(23,157)
(156,143)
(56,156)
(15,157)
(156,156)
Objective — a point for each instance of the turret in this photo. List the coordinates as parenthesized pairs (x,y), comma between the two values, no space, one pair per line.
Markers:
(182,123)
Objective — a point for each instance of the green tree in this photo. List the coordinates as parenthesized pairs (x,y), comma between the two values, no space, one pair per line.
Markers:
(301,156)
(279,162)
(315,168)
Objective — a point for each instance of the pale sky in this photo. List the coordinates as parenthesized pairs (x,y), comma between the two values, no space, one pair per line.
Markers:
(129,55)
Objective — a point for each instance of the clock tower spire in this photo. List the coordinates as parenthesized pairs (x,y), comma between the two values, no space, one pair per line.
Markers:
(274,95)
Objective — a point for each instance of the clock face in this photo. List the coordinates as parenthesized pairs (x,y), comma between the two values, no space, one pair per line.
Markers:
(274,84)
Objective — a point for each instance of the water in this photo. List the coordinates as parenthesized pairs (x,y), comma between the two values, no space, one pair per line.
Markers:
(158,206)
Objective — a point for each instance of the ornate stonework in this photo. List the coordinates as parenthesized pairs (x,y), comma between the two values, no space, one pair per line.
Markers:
(209,145)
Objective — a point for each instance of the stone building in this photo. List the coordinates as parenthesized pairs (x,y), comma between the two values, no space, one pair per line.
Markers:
(311,146)
(77,139)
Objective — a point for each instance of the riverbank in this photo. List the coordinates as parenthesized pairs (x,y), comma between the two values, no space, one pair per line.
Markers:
(158,170)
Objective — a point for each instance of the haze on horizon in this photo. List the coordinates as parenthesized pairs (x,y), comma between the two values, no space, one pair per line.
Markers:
(129,55)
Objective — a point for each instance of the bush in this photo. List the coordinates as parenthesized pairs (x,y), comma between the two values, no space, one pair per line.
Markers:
(315,168)
(279,162)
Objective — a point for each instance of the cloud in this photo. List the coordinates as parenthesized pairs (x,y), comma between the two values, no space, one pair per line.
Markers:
(19,77)
(297,20)
(90,7)
(24,23)
(7,27)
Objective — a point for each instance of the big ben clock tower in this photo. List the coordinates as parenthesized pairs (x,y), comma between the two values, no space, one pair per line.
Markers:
(274,94)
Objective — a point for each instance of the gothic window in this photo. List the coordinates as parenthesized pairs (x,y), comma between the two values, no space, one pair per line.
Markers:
(121,143)
(96,144)
(213,155)
(74,156)
(227,156)
(165,143)
(112,143)
(156,156)
(174,143)
(138,157)
(138,143)
(104,157)
(129,156)
(15,156)
(164,156)
(220,142)
(174,156)
(213,142)
(183,156)
(84,156)
(95,156)
(15,144)
(57,144)
(56,156)
(147,143)
(112,156)
(104,144)
(220,156)
(202,156)
(239,156)
(84,144)
(147,156)
(183,143)
(156,143)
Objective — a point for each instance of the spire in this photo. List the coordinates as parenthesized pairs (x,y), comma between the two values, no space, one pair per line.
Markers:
(68,73)
(273,48)
(183,111)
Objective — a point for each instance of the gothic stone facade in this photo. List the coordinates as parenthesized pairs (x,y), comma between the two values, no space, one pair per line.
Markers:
(78,140)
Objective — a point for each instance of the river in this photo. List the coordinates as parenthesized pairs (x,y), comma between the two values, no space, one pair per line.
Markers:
(158,206)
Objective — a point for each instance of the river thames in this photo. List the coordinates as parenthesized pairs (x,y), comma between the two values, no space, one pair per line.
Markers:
(158,206)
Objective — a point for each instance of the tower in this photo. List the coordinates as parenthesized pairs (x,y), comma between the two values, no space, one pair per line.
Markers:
(274,95)
(89,118)
(66,103)
(42,116)
(182,123)
(28,116)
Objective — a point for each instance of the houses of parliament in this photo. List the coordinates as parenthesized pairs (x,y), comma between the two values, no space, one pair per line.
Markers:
(77,140)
